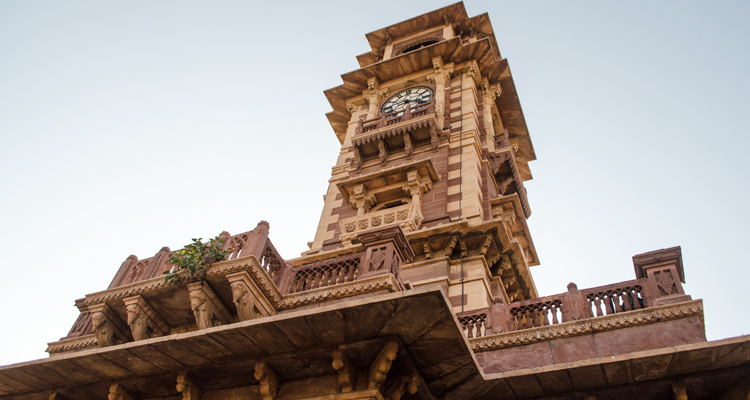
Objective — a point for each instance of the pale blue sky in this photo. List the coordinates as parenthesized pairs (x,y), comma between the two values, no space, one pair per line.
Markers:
(128,126)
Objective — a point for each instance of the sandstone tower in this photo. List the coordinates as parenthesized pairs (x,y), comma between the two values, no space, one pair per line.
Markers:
(417,284)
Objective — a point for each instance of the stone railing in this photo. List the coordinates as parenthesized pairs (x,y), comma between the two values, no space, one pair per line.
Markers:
(327,272)
(612,299)
(474,323)
(386,120)
(408,217)
(658,282)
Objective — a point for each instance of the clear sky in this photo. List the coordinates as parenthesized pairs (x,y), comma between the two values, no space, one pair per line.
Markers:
(128,126)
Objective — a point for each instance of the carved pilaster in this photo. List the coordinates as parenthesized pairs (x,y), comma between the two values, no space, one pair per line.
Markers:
(345,369)
(189,390)
(143,321)
(108,327)
(373,94)
(382,364)
(360,199)
(269,381)
(249,300)
(209,311)
(416,186)
(489,94)
(117,392)
(440,77)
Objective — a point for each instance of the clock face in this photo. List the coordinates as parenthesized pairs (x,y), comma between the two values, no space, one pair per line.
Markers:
(414,96)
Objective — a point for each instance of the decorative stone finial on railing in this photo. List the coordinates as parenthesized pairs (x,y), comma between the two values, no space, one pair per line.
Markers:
(665,274)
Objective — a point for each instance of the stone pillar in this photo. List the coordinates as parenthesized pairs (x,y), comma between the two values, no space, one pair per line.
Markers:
(574,305)
(663,270)
(385,250)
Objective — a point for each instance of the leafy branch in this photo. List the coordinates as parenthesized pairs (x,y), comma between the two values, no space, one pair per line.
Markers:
(195,258)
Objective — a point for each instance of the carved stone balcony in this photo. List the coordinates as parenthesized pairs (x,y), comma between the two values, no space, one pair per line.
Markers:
(400,131)
(505,170)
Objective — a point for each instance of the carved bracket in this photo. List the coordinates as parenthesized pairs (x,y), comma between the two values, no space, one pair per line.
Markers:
(208,309)
(399,386)
(144,322)
(269,381)
(382,364)
(250,301)
(108,327)
(189,390)
(345,368)
(116,392)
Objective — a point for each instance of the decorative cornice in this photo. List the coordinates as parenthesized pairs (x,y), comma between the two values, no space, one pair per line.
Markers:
(77,343)
(368,285)
(588,326)
(217,270)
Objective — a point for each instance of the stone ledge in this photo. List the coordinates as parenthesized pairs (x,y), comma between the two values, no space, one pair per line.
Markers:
(71,344)
(587,326)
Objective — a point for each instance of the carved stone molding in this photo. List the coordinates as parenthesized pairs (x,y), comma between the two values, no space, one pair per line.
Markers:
(107,326)
(116,392)
(143,321)
(208,309)
(269,381)
(77,343)
(381,282)
(250,301)
(189,390)
(345,369)
(587,326)
(382,364)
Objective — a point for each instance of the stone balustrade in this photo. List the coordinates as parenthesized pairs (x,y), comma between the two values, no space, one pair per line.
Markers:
(386,120)
(647,291)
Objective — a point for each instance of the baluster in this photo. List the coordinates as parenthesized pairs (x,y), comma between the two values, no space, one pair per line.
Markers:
(619,302)
(598,305)
(554,314)
(636,300)
(626,304)
(312,280)
(470,326)
(480,327)
(545,312)
(610,303)
(350,275)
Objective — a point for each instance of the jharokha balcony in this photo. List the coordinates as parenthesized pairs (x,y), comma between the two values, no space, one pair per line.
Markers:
(395,132)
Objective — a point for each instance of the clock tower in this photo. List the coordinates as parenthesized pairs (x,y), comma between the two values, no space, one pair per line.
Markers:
(434,143)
